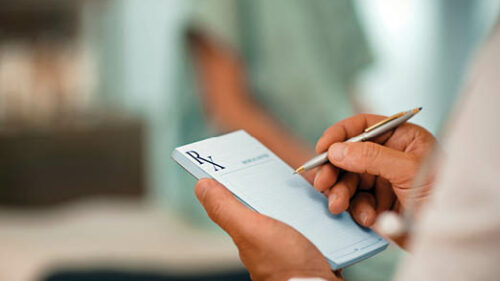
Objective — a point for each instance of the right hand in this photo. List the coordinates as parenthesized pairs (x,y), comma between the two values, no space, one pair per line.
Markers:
(367,178)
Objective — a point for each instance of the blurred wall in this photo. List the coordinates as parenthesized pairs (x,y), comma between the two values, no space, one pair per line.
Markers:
(137,43)
(422,51)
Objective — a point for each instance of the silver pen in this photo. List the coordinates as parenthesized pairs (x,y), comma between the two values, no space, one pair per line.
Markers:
(373,131)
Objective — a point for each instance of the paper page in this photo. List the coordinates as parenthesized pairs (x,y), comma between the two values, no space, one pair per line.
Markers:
(267,184)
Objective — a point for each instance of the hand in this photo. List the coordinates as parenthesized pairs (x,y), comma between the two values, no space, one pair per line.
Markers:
(376,175)
(269,249)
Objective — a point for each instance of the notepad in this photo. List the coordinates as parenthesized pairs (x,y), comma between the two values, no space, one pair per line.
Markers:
(266,184)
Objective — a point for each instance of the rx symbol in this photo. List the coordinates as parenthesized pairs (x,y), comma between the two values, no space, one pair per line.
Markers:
(200,160)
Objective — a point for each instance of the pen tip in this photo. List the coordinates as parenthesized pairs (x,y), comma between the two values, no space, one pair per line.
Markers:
(416,110)
(299,170)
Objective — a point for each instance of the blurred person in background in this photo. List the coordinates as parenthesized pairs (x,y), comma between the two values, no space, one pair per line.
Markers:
(281,70)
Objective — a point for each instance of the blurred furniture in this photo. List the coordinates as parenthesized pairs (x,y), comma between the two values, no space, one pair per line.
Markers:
(30,18)
(102,275)
(46,68)
(41,166)
(53,147)
(109,235)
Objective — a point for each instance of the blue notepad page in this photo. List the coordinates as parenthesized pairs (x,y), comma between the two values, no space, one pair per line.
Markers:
(266,184)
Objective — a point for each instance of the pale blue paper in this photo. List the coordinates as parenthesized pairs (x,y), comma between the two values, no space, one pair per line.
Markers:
(266,184)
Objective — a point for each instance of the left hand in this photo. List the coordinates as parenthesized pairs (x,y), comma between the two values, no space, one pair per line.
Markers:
(269,249)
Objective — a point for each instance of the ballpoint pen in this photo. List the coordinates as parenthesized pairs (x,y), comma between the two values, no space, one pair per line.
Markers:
(373,131)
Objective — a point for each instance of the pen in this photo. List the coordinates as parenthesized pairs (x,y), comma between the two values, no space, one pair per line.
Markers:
(373,131)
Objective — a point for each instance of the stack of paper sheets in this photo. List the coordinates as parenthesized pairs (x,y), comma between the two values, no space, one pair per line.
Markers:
(267,185)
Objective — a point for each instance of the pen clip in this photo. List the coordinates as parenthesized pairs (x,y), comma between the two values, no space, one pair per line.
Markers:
(390,118)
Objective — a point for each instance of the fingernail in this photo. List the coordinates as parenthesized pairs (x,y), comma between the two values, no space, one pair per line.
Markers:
(330,205)
(363,217)
(332,197)
(338,151)
(316,178)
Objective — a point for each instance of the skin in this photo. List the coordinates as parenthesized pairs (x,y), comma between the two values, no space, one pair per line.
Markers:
(372,177)
(269,249)
(367,179)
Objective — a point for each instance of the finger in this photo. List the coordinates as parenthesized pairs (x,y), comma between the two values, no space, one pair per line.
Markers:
(326,176)
(310,175)
(349,128)
(363,209)
(411,138)
(341,193)
(223,208)
(384,195)
(375,159)
(397,207)
(338,274)
(366,181)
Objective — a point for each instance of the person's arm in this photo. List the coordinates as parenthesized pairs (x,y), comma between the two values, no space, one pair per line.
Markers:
(230,106)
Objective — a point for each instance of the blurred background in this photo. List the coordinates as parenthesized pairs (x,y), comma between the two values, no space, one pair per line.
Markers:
(94,96)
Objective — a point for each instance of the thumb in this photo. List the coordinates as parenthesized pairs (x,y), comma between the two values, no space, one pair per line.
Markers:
(222,207)
(375,159)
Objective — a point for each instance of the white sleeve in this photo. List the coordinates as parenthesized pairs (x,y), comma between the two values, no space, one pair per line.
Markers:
(458,234)
(306,279)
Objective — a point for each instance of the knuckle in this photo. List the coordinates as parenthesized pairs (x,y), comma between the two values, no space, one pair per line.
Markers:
(213,204)
(370,150)
(412,162)
(367,197)
(412,167)
(208,195)
(415,165)
(217,214)
(216,210)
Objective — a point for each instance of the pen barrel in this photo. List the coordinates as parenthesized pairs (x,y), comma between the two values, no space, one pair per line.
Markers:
(386,127)
(316,161)
(323,158)
(358,138)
